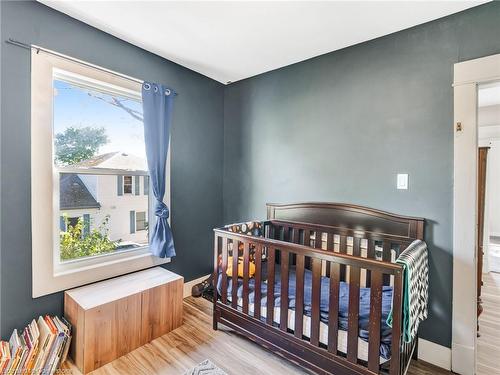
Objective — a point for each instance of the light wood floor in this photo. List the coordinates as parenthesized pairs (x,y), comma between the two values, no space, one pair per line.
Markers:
(488,344)
(195,341)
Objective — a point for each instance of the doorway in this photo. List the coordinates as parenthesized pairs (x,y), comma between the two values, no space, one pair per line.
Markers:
(488,257)
(469,76)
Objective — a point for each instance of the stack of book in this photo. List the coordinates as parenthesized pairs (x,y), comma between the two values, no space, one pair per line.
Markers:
(39,349)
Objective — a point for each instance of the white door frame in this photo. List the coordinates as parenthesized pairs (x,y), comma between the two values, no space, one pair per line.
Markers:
(467,76)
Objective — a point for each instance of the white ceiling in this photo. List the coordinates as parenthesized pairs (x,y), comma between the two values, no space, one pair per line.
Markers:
(230,41)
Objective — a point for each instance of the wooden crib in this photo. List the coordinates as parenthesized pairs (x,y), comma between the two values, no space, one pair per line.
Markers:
(345,243)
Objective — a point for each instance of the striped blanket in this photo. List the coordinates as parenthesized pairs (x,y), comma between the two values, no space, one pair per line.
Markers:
(415,288)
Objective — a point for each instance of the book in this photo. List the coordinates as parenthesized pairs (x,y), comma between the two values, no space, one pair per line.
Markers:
(16,350)
(59,347)
(52,357)
(40,349)
(31,335)
(47,337)
(23,355)
(4,356)
(60,353)
(67,327)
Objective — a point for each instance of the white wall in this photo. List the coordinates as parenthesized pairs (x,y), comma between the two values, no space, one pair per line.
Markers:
(493,182)
(489,116)
(489,135)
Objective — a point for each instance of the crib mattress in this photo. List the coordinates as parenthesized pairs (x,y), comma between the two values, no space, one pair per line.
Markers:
(323,331)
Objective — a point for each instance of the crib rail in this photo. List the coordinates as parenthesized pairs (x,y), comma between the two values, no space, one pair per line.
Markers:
(335,252)
(373,245)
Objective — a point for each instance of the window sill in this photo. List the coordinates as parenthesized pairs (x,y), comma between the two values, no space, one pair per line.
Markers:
(78,273)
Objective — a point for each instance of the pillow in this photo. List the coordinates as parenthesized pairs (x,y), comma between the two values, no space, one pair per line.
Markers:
(250,228)
(229,271)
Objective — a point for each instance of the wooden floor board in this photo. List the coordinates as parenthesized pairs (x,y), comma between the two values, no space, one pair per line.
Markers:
(195,341)
(488,343)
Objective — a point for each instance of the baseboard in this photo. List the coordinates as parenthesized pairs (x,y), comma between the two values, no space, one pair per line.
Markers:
(434,354)
(189,285)
(463,359)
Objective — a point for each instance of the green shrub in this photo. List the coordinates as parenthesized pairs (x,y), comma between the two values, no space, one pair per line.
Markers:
(74,244)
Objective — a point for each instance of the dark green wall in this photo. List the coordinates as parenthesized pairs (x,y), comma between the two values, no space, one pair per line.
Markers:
(197,148)
(340,126)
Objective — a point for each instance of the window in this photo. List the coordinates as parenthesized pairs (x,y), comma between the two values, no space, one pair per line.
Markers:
(95,140)
(88,162)
(140,221)
(127,184)
(78,226)
(73,221)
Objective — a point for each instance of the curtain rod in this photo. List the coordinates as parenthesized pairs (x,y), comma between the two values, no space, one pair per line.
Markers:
(81,62)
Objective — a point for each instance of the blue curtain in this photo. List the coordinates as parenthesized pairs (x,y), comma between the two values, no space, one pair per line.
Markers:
(157,102)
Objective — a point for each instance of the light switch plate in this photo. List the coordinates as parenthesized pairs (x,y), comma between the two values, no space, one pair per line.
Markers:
(402,181)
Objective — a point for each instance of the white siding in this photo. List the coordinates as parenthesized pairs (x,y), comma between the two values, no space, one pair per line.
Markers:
(118,208)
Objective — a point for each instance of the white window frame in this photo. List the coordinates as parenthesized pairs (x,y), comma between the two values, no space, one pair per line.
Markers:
(49,274)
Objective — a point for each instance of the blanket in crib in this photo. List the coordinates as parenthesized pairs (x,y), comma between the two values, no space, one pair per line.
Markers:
(415,288)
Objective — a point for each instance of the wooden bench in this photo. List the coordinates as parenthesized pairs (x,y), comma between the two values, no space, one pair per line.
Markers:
(113,317)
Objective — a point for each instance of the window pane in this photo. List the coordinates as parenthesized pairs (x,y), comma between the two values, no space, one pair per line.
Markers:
(90,127)
(127,184)
(100,133)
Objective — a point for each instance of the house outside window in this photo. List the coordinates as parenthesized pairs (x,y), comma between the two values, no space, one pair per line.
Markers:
(93,160)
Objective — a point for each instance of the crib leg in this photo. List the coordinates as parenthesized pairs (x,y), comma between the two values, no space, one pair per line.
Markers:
(215,322)
(415,351)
